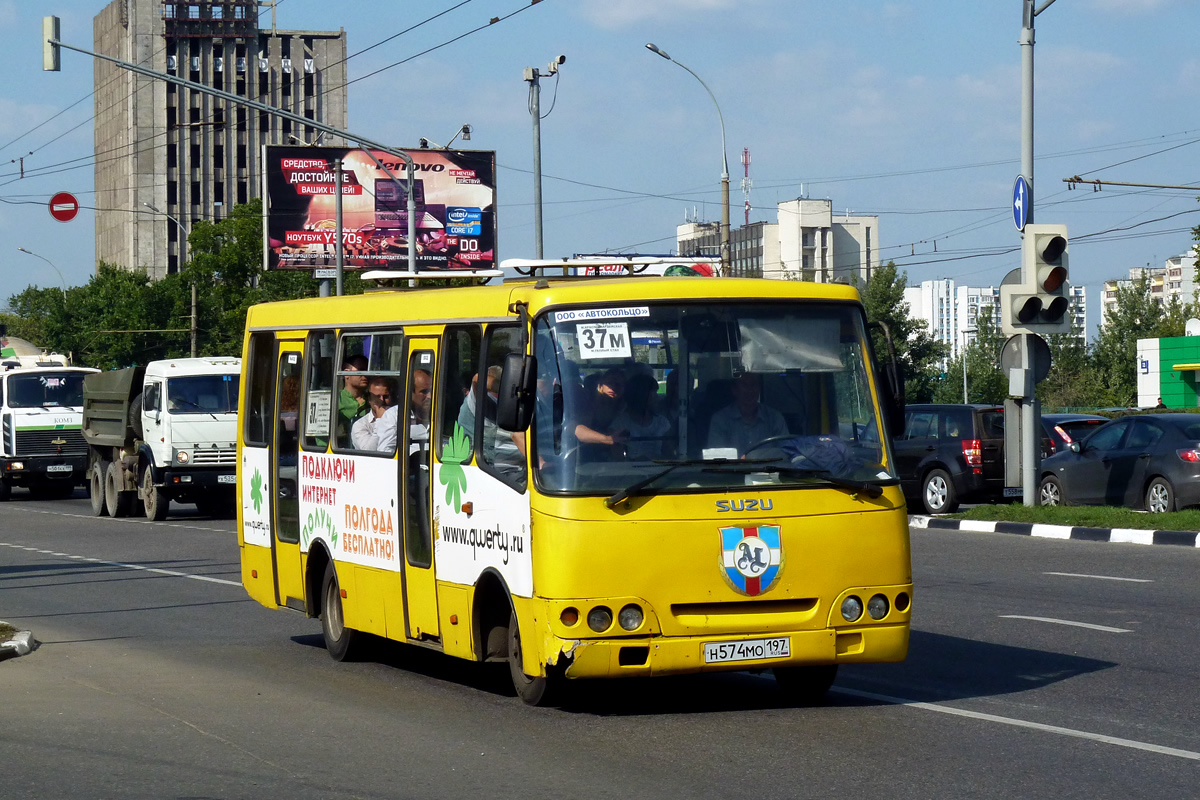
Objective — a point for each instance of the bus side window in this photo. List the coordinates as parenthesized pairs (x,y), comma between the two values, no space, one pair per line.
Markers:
(503,451)
(260,386)
(417,409)
(460,364)
(318,395)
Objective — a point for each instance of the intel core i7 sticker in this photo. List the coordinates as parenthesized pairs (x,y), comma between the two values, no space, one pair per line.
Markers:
(603,340)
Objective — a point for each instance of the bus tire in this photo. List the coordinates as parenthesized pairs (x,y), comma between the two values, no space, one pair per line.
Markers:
(96,481)
(340,641)
(116,499)
(534,691)
(805,685)
(155,502)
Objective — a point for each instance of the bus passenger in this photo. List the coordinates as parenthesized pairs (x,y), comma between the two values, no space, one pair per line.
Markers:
(352,400)
(377,429)
(746,421)
(419,403)
(647,428)
(598,410)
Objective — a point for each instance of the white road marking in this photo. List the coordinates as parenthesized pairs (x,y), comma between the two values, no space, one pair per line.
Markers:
(1099,577)
(1020,723)
(126,520)
(172,573)
(1068,622)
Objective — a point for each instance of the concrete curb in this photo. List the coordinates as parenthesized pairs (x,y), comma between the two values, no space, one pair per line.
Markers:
(1122,535)
(21,644)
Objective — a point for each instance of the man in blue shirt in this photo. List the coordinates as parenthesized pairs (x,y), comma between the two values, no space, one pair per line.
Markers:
(746,421)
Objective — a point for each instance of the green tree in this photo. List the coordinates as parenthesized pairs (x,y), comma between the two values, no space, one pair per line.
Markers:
(916,349)
(985,381)
(1134,316)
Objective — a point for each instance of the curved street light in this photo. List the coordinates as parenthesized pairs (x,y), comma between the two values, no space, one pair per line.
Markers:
(725,258)
(182,259)
(51,263)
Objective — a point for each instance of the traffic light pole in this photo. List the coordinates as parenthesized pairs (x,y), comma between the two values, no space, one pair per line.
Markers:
(1029,415)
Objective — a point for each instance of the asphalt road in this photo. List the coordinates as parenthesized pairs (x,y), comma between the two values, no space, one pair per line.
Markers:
(1038,668)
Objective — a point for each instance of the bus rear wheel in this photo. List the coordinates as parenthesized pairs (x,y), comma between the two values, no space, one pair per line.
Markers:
(805,685)
(534,691)
(340,641)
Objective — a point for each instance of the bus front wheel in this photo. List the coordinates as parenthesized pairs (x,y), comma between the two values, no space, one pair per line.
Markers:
(805,685)
(340,641)
(534,691)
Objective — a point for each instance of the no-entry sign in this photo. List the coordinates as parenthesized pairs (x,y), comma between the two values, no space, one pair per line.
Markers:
(64,207)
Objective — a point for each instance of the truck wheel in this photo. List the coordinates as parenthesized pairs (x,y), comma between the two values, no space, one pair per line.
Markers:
(156,504)
(116,499)
(96,480)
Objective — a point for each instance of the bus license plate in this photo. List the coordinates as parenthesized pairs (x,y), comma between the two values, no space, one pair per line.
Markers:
(748,650)
(227,479)
(59,468)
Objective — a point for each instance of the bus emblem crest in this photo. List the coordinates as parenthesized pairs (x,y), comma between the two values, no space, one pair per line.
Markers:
(751,558)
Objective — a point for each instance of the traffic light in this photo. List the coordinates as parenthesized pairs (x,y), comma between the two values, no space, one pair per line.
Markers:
(1040,302)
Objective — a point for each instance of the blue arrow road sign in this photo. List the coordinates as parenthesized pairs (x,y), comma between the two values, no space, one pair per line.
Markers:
(1022,202)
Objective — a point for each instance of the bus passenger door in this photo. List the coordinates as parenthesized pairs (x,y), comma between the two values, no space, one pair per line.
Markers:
(416,471)
(285,449)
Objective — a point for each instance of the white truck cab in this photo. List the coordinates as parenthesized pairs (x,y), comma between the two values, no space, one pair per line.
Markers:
(41,408)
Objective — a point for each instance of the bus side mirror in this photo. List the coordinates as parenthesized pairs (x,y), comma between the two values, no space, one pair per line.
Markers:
(518,392)
(894,400)
(893,383)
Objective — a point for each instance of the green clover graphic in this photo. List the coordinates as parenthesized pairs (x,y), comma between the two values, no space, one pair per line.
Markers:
(456,451)
(256,494)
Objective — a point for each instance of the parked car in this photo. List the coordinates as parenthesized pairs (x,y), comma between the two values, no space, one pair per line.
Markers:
(1062,429)
(1151,461)
(950,454)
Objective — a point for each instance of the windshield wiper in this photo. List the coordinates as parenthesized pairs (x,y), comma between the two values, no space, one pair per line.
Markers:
(870,489)
(630,491)
(197,406)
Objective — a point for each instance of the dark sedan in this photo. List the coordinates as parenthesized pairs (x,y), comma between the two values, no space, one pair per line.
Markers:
(1150,461)
(1062,429)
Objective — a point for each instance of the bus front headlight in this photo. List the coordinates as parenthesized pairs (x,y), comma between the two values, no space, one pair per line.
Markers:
(631,617)
(851,608)
(600,619)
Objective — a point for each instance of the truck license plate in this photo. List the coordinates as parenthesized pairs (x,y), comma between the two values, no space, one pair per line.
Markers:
(59,468)
(227,479)
(747,650)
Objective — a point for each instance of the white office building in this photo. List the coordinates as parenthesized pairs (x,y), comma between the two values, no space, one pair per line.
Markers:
(807,242)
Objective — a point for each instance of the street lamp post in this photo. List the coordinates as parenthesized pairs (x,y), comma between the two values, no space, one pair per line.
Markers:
(964,359)
(725,256)
(51,263)
(182,260)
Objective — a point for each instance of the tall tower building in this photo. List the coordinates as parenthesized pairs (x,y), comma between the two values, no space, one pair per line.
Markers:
(188,154)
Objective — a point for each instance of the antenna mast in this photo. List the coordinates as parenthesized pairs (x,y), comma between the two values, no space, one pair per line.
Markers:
(746,182)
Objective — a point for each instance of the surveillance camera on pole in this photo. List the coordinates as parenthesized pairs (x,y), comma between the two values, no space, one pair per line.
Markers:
(1040,302)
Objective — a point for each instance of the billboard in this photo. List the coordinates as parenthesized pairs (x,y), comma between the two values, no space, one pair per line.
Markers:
(666,265)
(454,192)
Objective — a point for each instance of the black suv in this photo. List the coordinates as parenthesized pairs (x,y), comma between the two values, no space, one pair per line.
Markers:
(951,453)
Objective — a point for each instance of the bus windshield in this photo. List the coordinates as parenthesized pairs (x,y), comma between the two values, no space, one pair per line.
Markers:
(45,390)
(203,394)
(724,395)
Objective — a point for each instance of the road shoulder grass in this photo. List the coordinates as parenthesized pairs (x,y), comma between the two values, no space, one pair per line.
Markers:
(1084,517)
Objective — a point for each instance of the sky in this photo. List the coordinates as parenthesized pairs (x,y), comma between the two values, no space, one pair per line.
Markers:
(908,110)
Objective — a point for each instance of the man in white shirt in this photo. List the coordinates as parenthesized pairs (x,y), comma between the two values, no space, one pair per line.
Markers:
(377,430)
(746,421)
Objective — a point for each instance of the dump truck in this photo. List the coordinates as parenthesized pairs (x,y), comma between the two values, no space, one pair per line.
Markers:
(162,433)
(41,447)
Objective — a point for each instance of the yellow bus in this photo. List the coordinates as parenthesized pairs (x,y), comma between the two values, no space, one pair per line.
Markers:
(584,478)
